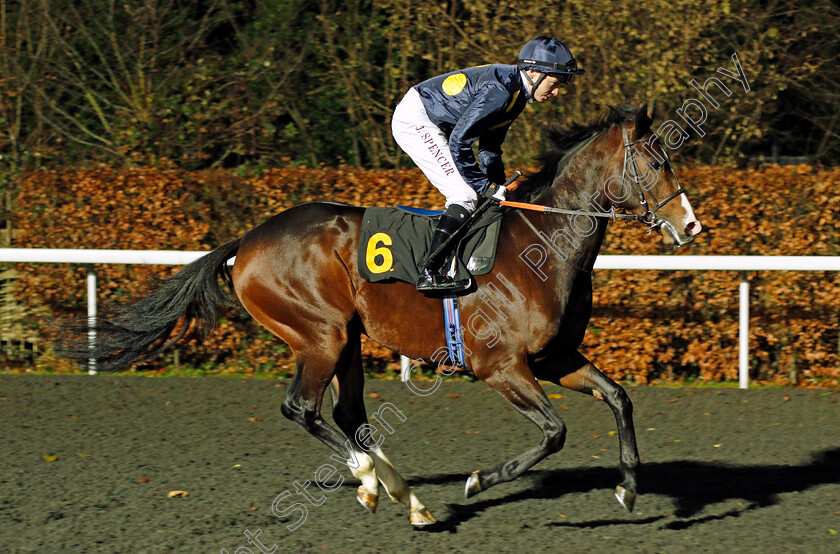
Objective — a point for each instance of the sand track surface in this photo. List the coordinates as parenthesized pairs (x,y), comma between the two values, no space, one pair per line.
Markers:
(88,463)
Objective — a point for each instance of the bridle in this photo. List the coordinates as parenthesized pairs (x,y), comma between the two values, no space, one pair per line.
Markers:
(649,216)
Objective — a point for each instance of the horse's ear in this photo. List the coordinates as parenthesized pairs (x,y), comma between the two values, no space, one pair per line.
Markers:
(643,122)
(652,111)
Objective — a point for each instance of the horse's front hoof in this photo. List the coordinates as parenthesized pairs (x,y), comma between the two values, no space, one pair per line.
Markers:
(473,486)
(368,500)
(625,497)
(421,518)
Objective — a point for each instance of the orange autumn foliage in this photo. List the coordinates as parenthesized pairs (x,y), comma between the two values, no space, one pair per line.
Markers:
(646,325)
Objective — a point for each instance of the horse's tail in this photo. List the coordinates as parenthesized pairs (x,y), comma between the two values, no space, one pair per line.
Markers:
(190,301)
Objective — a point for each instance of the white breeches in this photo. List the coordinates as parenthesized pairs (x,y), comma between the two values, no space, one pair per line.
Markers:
(427,146)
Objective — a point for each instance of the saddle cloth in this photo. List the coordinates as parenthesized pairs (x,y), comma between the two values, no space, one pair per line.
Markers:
(395,241)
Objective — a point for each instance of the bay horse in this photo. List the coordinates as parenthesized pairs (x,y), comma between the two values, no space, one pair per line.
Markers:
(297,275)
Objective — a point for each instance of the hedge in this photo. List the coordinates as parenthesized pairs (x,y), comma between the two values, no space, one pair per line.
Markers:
(647,326)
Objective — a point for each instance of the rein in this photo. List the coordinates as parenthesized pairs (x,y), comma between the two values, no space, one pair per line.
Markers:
(649,216)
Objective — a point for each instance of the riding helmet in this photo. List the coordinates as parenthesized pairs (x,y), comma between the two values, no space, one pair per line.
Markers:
(549,56)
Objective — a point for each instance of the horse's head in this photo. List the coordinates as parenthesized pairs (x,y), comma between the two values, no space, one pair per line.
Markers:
(648,186)
(618,161)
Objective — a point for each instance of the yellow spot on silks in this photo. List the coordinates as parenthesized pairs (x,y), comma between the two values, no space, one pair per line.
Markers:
(454,84)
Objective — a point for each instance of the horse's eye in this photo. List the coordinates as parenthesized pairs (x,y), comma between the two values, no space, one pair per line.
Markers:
(655,166)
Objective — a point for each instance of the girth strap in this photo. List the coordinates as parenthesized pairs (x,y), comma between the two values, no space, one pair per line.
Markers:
(454,335)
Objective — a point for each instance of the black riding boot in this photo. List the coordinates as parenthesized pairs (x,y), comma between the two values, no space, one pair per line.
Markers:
(432,278)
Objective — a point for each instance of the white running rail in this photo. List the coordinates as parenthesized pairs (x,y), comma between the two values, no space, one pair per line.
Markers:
(742,264)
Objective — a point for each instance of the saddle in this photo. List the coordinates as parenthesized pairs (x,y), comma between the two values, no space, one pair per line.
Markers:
(395,242)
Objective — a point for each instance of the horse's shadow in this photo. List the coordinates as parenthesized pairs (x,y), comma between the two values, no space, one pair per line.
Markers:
(691,485)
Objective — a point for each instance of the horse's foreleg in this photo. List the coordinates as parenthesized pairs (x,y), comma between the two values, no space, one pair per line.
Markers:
(350,415)
(516,383)
(577,373)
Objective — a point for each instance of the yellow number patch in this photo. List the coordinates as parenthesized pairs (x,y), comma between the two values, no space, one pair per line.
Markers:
(454,84)
(374,250)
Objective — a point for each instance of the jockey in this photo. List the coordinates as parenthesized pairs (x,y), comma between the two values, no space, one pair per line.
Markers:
(438,120)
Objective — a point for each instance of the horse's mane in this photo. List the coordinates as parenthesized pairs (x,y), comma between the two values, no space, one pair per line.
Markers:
(560,142)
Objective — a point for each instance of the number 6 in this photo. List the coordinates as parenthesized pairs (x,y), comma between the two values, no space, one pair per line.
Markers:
(373,251)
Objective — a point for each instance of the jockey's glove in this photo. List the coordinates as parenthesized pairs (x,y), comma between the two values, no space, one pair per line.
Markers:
(495,192)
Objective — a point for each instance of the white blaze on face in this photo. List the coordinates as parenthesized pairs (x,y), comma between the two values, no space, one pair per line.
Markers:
(691,224)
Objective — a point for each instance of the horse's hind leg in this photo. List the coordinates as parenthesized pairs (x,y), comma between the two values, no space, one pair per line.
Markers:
(516,383)
(350,415)
(399,491)
(314,371)
(577,373)
(364,470)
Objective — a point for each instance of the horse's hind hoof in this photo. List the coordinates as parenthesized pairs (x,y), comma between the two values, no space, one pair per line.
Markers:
(368,500)
(421,518)
(625,497)
(473,486)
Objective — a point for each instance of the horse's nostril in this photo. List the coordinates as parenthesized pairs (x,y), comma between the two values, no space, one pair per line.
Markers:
(693,228)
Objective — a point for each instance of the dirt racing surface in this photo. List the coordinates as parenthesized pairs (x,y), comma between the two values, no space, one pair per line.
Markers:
(88,464)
